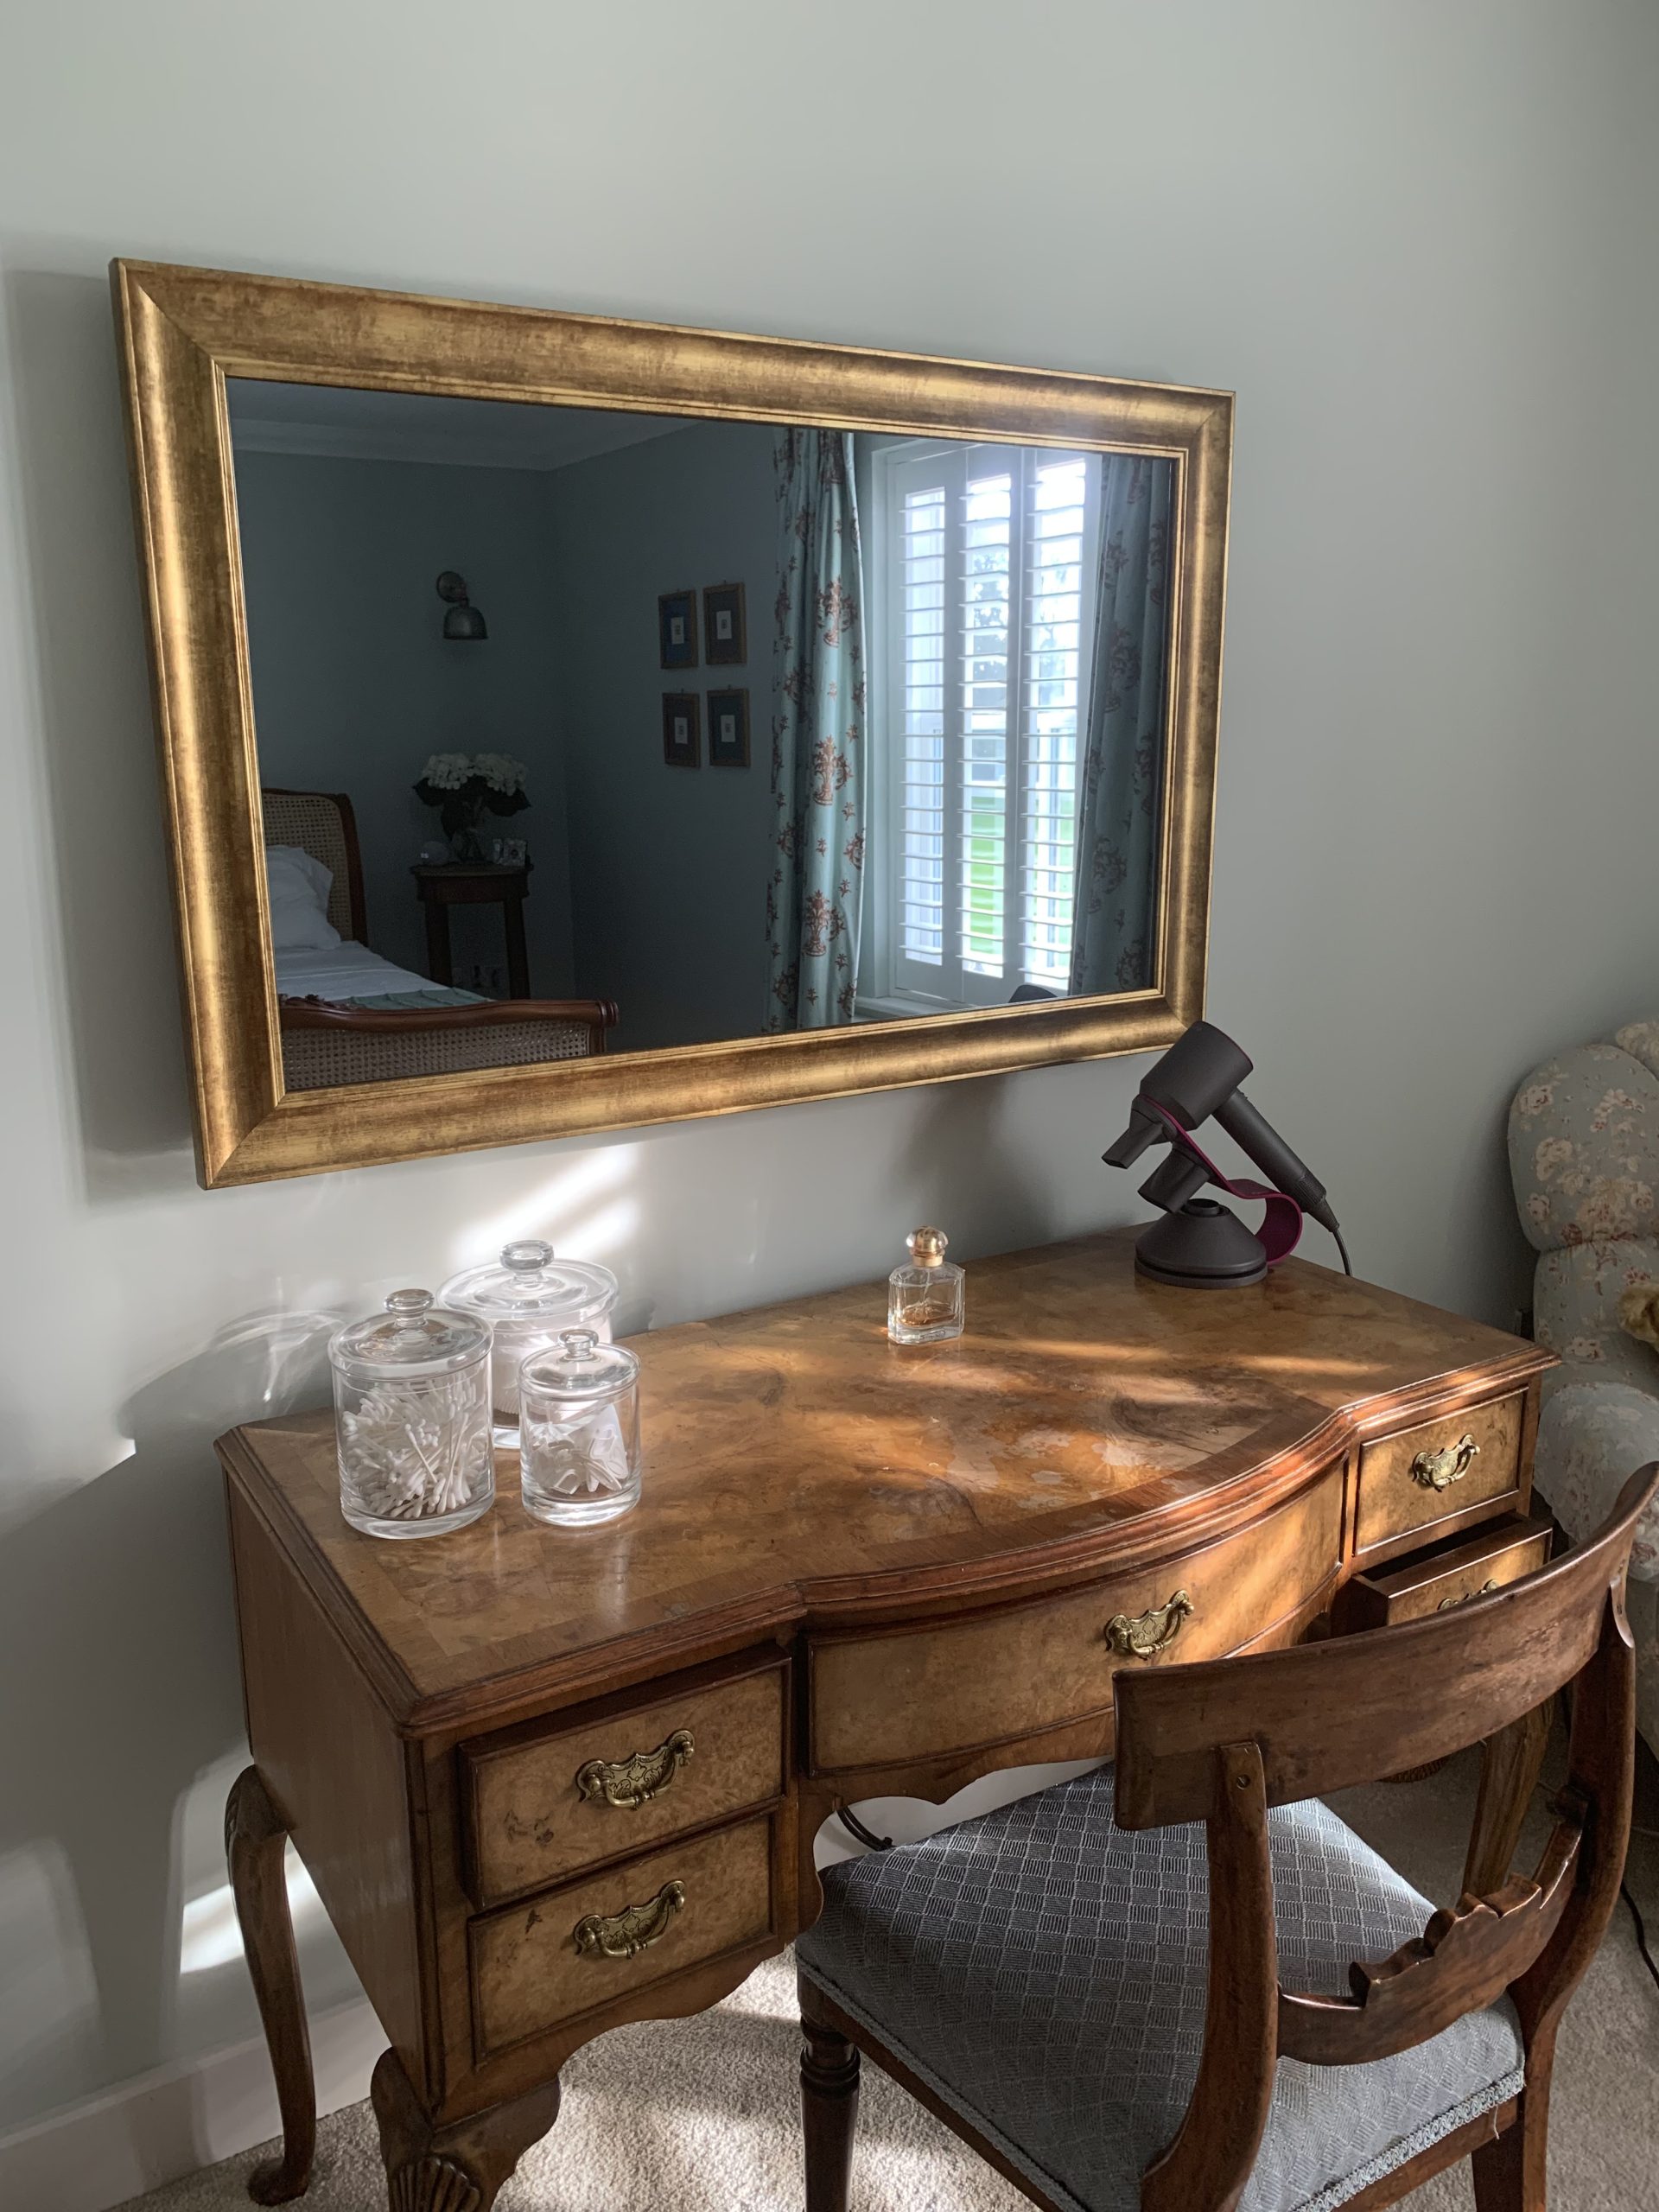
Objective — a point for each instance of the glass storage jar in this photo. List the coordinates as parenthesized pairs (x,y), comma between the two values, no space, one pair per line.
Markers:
(528,1297)
(412,1418)
(580,1404)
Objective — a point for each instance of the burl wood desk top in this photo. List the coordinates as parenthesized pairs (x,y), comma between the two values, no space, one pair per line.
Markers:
(547,1782)
(800,1470)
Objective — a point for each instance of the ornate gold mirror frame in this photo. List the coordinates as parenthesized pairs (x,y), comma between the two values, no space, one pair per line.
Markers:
(184,331)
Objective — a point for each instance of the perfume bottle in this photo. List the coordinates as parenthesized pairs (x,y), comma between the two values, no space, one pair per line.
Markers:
(926,1299)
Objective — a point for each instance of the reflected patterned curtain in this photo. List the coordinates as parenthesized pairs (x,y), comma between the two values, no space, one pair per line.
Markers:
(817,721)
(1121,766)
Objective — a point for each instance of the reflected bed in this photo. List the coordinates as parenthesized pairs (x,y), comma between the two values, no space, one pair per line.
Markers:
(349,1016)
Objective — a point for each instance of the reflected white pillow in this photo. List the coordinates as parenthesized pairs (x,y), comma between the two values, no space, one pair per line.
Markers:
(299,886)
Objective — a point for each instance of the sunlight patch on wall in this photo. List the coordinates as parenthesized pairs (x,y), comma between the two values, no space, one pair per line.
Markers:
(582,1210)
(210,1936)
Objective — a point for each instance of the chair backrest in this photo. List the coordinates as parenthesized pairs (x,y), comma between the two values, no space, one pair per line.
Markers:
(323,824)
(1221,1743)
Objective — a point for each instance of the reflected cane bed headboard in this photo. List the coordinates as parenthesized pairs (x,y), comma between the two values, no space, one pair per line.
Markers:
(323,825)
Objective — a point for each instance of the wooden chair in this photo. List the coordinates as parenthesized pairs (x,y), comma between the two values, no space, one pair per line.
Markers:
(1097,1994)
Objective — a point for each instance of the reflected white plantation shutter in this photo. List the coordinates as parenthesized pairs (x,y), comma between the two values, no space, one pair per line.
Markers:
(1058,648)
(985,553)
(985,611)
(921,756)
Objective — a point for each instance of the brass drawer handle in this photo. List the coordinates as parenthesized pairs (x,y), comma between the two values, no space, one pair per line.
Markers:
(636,1780)
(1451,1604)
(1147,1633)
(1440,1470)
(624,1935)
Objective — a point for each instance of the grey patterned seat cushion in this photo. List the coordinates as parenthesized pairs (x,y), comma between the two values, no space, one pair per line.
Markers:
(1045,1972)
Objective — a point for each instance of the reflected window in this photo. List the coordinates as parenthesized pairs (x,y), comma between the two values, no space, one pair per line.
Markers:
(983,557)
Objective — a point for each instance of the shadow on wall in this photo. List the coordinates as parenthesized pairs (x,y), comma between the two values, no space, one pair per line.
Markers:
(118,978)
(115,1633)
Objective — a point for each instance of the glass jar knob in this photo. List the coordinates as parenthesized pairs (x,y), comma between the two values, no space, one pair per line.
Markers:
(408,1307)
(528,1257)
(579,1344)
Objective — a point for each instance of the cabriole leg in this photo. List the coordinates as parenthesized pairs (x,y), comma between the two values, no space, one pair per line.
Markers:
(254,1840)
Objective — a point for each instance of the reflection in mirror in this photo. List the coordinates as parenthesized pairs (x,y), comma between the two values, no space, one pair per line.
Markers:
(583,730)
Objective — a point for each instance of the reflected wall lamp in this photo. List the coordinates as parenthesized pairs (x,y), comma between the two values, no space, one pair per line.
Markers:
(462,620)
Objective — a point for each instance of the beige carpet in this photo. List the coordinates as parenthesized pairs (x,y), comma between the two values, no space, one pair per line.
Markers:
(700,2115)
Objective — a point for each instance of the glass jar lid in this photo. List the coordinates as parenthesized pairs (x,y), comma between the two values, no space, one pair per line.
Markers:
(528,1284)
(580,1366)
(409,1336)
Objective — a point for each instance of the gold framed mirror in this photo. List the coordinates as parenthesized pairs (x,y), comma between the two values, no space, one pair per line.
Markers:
(939,642)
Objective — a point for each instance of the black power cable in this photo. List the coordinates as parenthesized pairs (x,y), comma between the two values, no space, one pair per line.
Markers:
(1641,1932)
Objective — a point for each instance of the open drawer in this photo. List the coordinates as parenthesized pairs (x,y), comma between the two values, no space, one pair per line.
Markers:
(1436,1580)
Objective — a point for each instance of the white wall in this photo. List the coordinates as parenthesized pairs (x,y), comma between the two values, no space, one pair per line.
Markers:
(1416,240)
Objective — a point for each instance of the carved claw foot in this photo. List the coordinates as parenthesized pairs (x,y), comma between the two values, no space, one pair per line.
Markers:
(458,2168)
(433,2185)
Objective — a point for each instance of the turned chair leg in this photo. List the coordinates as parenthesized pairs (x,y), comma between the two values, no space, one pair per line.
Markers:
(254,1841)
(1509,2175)
(829,2105)
(461,2167)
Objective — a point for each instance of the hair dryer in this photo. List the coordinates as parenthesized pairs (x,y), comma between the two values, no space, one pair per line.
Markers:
(1200,1243)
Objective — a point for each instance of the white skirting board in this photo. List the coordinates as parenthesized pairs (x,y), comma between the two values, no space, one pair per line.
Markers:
(87,2157)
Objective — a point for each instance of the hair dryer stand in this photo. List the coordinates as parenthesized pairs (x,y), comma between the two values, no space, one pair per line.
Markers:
(1202,1245)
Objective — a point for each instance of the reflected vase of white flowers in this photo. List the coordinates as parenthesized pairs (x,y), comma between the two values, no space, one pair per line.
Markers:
(466,788)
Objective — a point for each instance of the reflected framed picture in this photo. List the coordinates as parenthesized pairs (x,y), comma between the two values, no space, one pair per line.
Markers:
(724,644)
(728,729)
(677,629)
(682,731)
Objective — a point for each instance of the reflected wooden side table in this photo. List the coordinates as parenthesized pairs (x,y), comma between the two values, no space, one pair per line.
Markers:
(453,883)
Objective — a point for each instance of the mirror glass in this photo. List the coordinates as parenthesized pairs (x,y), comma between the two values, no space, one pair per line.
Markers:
(590,730)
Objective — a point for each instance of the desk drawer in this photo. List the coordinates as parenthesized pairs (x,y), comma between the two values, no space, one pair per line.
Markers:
(554,1957)
(1435,1581)
(1426,1475)
(545,1800)
(949,1686)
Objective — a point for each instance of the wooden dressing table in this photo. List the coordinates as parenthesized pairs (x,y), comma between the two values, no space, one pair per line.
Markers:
(548,1782)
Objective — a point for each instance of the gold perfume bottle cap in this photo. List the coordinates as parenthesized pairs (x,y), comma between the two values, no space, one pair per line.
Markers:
(927,1246)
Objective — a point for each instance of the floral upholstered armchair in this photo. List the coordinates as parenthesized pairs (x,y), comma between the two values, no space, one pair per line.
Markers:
(1584,1153)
